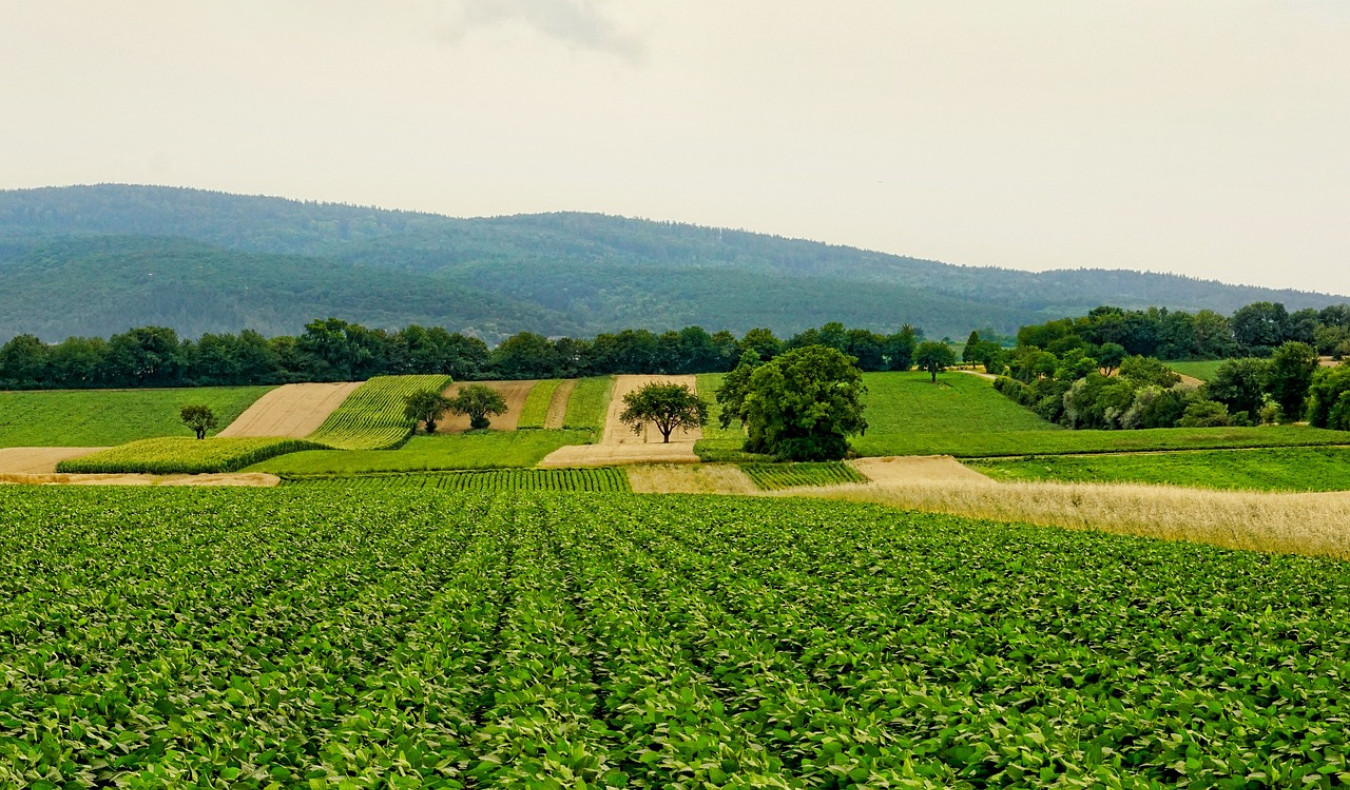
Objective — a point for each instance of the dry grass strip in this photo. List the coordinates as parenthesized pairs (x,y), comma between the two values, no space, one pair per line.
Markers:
(690,479)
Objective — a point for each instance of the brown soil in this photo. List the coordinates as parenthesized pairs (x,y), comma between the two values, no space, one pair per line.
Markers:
(557,408)
(619,445)
(293,410)
(514,392)
(900,469)
(39,460)
(1328,362)
(245,479)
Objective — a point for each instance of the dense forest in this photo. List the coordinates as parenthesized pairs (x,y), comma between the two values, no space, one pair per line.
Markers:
(91,261)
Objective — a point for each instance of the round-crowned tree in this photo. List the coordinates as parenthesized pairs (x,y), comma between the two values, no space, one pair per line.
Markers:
(666,405)
(803,405)
(478,402)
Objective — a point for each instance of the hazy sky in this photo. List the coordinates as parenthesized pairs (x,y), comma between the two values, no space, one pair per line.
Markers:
(1205,138)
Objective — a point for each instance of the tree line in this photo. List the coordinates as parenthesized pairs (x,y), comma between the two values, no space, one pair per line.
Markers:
(332,349)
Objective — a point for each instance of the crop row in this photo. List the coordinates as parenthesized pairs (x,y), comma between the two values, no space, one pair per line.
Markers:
(606,480)
(184,455)
(534,412)
(305,636)
(772,477)
(371,418)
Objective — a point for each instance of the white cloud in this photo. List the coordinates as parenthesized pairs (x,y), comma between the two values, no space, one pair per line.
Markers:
(579,23)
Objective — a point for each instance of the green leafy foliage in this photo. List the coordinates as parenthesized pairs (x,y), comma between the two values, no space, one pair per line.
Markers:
(95,418)
(372,417)
(669,407)
(773,477)
(478,402)
(181,455)
(589,403)
(604,480)
(803,404)
(308,636)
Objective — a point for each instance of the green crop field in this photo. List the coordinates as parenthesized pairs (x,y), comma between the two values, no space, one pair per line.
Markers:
(603,480)
(489,450)
(310,637)
(177,455)
(773,477)
(1275,469)
(535,411)
(588,404)
(708,384)
(900,404)
(94,418)
(371,418)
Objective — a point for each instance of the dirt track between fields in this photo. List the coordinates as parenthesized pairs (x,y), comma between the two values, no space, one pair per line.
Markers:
(557,408)
(619,445)
(513,392)
(242,479)
(39,460)
(293,410)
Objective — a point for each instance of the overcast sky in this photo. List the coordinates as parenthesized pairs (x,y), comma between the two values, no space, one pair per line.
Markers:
(1204,138)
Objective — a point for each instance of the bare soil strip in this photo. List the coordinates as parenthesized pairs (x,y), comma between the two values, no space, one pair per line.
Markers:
(245,479)
(293,410)
(513,392)
(901,469)
(690,479)
(557,408)
(620,446)
(39,460)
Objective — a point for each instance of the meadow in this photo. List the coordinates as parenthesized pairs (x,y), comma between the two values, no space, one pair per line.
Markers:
(96,418)
(1203,369)
(310,636)
(476,450)
(1272,469)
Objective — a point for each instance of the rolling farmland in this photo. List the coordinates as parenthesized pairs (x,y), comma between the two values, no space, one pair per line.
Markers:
(98,418)
(304,635)
(371,418)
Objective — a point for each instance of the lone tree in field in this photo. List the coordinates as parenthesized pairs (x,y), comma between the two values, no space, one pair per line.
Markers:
(199,418)
(479,401)
(934,357)
(668,406)
(425,406)
(803,405)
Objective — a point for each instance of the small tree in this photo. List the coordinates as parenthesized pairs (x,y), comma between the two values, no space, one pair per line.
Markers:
(1109,357)
(934,357)
(199,418)
(425,406)
(668,406)
(478,401)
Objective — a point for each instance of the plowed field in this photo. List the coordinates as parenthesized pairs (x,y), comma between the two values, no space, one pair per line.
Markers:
(292,410)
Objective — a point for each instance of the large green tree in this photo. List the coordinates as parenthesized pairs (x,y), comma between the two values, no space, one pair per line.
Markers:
(934,357)
(1239,384)
(1290,375)
(425,406)
(666,405)
(804,404)
(479,402)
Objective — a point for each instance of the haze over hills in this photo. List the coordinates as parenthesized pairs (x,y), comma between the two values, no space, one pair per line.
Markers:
(95,260)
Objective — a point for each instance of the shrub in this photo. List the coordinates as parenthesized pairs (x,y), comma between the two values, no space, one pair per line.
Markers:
(1205,414)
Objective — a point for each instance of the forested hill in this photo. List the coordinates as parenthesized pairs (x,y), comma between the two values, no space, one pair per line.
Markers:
(98,259)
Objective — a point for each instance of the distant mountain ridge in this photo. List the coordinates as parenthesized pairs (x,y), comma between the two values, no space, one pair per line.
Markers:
(95,260)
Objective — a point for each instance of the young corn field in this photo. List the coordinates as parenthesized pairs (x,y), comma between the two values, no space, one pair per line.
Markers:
(371,418)
(576,480)
(774,477)
(184,455)
(311,637)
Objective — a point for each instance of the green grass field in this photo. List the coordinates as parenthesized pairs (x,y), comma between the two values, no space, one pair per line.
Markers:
(282,638)
(371,418)
(588,404)
(178,455)
(1274,469)
(1203,369)
(908,403)
(708,384)
(575,480)
(486,450)
(535,411)
(94,418)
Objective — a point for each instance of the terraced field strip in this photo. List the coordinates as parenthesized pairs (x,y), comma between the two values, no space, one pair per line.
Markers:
(39,460)
(619,445)
(574,480)
(774,477)
(557,407)
(293,410)
(589,404)
(371,418)
(534,414)
(173,455)
(514,393)
(260,638)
